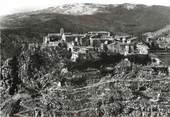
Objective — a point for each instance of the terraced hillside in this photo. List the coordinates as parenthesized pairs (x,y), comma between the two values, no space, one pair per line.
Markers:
(127,90)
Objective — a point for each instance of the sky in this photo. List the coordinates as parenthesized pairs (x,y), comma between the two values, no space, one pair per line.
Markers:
(15,6)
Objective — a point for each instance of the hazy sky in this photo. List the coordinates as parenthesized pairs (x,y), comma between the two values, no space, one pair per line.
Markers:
(13,6)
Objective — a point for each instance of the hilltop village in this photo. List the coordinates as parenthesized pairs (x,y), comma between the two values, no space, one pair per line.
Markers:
(96,41)
(99,41)
(89,45)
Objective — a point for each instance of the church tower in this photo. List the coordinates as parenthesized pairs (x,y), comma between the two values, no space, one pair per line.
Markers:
(61,31)
(63,37)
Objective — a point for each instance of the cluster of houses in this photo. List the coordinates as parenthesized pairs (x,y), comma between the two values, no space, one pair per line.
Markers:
(96,41)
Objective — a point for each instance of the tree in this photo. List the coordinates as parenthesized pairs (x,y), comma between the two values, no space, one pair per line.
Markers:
(15,80)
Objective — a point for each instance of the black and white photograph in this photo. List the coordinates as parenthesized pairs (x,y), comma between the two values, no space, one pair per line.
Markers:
(84,58)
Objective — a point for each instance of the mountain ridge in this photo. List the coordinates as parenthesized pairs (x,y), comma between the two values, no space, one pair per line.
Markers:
(74,5)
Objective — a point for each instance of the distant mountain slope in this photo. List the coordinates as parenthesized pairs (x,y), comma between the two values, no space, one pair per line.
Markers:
(83,8)
(75,9)
(165,30)
(83,17)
